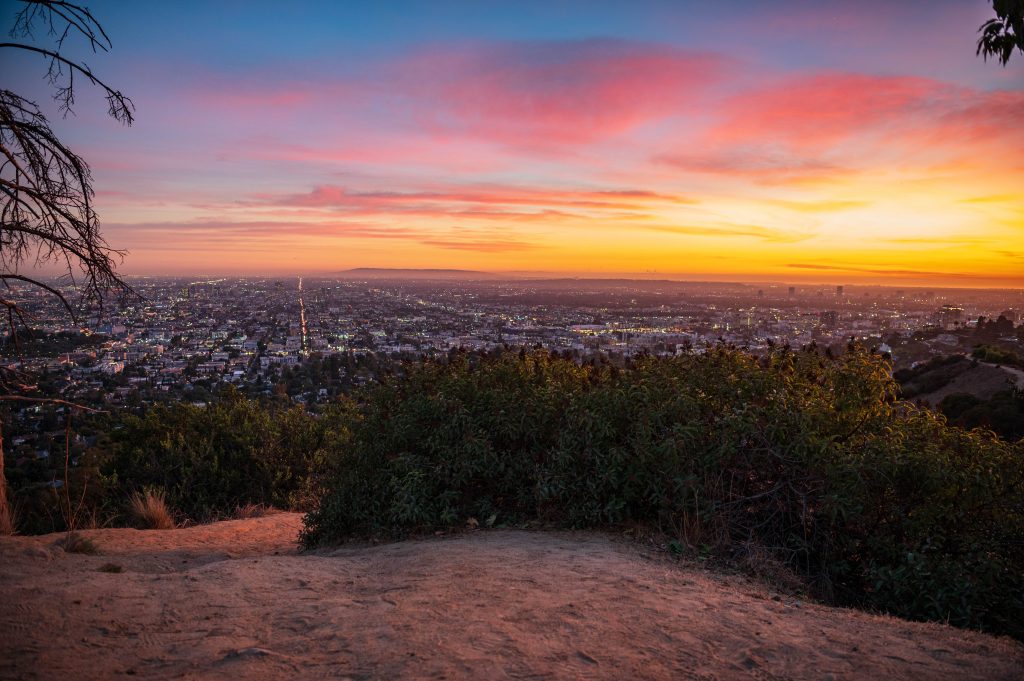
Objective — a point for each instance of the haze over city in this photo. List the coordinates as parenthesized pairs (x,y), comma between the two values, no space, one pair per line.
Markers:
(792,142)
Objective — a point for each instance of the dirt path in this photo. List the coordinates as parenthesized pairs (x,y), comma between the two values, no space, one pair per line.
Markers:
(233,600)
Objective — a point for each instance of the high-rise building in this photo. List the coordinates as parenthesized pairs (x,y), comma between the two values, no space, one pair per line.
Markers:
(949,316)
(839,291)
(829,319)
(792,291)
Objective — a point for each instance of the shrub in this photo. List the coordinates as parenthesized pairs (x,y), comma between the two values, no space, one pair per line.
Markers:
(448,443)
(811,459)
(150,512)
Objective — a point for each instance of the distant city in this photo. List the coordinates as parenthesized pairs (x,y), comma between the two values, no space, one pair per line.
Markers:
(184,338)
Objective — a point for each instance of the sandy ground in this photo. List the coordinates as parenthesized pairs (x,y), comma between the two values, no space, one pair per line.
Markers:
(234,600)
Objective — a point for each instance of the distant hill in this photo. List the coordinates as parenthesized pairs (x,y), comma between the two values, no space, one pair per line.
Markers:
(969,392)
(933,381)
(395,273)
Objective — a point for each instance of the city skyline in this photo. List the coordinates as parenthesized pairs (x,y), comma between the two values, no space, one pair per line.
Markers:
(810,142)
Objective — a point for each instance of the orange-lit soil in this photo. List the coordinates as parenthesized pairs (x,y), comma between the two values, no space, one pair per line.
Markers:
(235,600)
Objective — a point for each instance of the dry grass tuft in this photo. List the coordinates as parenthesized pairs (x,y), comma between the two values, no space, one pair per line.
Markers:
(74,542)
(150,511)
(113,568)
(251,511)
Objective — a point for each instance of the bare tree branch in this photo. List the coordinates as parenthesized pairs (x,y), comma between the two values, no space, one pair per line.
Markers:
(47,217)
(120,107)
(46,211)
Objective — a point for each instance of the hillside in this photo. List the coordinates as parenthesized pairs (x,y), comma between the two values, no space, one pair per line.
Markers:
(235,600)
(964,376)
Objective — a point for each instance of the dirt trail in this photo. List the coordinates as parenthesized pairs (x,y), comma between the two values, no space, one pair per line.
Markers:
(235,600)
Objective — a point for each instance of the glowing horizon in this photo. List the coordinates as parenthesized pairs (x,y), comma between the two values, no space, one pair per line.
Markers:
(812,143)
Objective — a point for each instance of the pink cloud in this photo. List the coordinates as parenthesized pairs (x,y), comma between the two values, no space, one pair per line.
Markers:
(449,199)
(813,112)
(210,234)
(540,94)
(832,125)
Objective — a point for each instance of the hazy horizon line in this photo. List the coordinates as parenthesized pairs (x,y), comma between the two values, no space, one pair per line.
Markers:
(526,275)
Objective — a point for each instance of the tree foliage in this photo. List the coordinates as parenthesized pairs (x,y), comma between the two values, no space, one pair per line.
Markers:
(210,460)
(1003,34)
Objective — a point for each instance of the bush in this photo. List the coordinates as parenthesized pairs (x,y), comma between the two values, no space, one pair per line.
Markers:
(810,459)
(448,443)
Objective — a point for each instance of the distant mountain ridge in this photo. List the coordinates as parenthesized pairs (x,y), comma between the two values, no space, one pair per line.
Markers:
(413,273)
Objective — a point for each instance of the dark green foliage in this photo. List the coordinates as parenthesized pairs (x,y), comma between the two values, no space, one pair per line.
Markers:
(878,502)
(995,355)
(448,443)
(209,460)
(1003,413)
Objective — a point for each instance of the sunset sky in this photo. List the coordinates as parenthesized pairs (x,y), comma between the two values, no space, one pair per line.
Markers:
(831,142)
